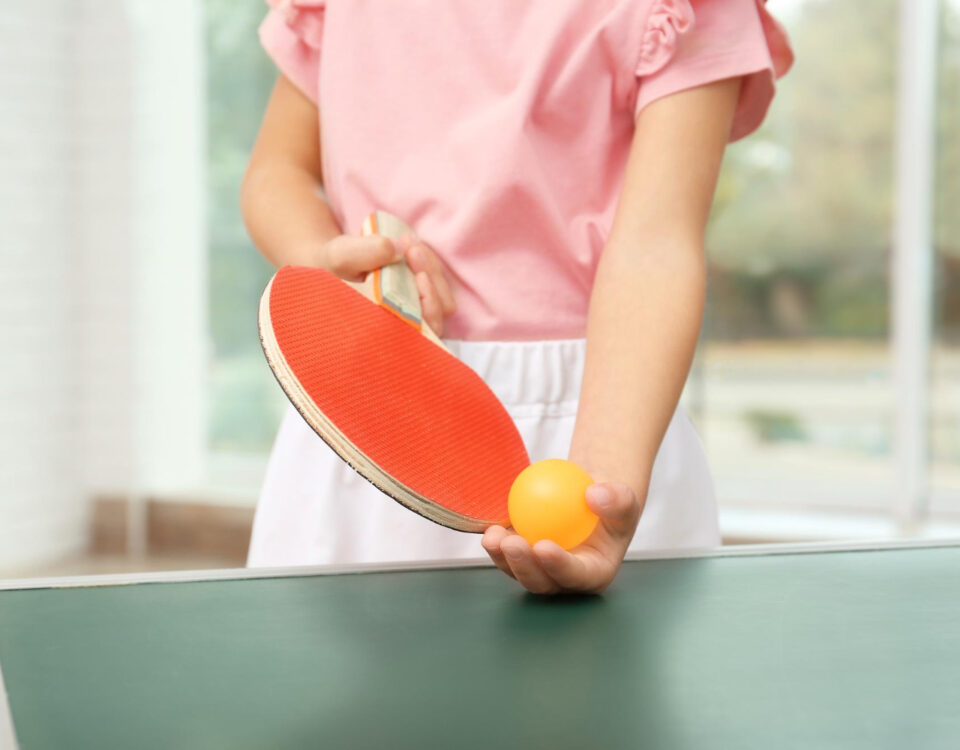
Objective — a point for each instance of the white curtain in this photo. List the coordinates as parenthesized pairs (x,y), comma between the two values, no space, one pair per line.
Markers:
(101,263)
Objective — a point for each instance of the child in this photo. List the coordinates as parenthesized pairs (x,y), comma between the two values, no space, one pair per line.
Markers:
(557,160)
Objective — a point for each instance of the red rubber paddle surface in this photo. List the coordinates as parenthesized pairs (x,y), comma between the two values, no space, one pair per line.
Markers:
(412,408)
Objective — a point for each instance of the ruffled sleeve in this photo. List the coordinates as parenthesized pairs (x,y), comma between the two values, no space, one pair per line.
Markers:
(688,43)
(292,35)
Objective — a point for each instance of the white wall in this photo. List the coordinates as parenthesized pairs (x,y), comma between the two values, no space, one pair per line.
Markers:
(170,240)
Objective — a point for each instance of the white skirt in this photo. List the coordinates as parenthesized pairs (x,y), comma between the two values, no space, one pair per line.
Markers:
(314,509)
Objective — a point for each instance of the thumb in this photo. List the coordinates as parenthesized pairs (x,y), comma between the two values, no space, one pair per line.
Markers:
(351,257)
(617,506)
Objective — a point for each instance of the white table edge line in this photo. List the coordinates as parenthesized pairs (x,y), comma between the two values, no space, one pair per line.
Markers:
(232,574)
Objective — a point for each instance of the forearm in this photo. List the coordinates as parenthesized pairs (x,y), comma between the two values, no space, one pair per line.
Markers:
(642,328)
(285,212)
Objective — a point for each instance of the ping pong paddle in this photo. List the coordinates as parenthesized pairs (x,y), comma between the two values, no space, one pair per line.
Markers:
(373,380)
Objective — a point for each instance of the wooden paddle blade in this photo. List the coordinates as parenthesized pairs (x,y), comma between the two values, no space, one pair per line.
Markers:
(405,413)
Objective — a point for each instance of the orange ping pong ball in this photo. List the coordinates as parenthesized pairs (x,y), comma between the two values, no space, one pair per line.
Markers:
(548,501)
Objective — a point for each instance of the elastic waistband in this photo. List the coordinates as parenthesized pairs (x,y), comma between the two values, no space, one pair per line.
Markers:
(527,373)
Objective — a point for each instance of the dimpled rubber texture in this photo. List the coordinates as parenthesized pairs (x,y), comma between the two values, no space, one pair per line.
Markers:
(412,408)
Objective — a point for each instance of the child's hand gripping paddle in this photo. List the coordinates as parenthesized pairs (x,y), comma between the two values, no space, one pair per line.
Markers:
(371,378)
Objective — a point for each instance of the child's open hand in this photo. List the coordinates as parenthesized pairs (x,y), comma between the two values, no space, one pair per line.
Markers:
(546,568)
(352,257)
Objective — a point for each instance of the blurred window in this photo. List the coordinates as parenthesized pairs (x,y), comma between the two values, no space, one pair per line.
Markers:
(792,387)
(245,402)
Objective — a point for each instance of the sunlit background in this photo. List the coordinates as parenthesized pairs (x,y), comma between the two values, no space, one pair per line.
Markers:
(137,410)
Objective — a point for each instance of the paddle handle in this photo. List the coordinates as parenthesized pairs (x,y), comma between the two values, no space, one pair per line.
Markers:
(394,286)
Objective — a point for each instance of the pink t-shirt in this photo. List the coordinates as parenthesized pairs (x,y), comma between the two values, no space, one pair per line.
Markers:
(499,130)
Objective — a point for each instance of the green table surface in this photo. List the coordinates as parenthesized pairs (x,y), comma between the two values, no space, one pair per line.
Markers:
(841,649)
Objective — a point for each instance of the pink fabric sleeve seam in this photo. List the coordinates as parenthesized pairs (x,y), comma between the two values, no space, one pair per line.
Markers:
(734,67)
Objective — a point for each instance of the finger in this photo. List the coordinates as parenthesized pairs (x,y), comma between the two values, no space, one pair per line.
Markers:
(617,506)
(572,571)
(491,544)
(525,567)
(429,303)
(351,258)
(405,242)
(421,257)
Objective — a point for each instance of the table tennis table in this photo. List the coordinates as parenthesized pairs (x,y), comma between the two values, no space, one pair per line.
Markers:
(803,646)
